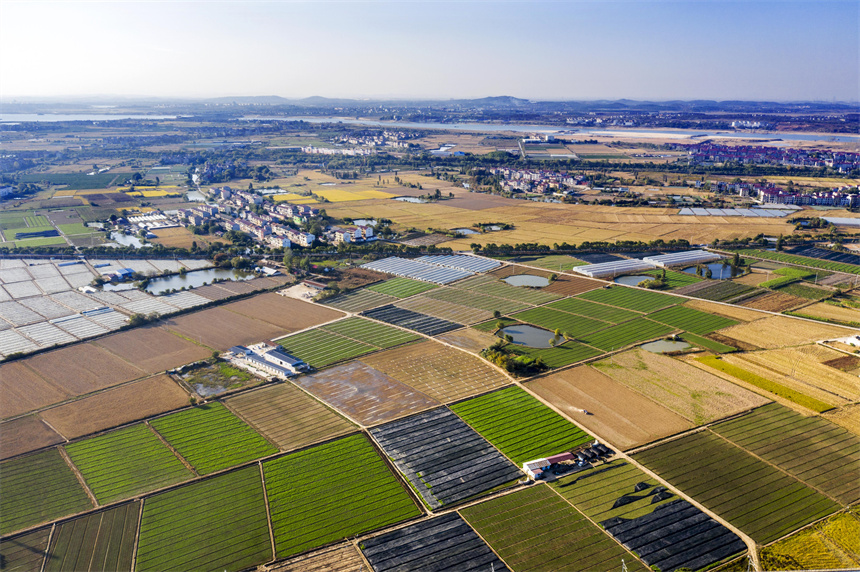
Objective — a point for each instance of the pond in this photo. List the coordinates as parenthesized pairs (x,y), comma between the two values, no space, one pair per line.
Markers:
(633,280)
(194,279)
(527,280)
(466,231)
(718,271)
(195,196)
(127,240)
(530,336)
(665,346)
(410,199)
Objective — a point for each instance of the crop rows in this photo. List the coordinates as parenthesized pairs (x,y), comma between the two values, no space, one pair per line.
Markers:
(359,300)
(723,290)
(829,545)
(593,310)
(570,325)
(492,286)
(427,325)
(803,261)
(691,320)
(332,491)
(369,332)
(402,287)
(804,291)
(708,344)
(98,541)
(25,552)
(216,524)
(631,298)
(519,425)
(211,438)
(320,348)
(559,356)
(627,333)
(475,299)
(675,279)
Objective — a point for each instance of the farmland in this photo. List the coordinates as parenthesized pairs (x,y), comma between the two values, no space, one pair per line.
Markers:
(25,434)
(126,462)
(25,390)
(341,558)
(830,544)
(221,329)
(559,356)
(571,285)
(473,299)
(25,552)
(519,425)
(359,300)
(565,541)
(211,438)
(593,310)
(37,488)
(773,302)
(691,320)
(779,331)
(492,286)
(427,325)
(716,291)
(436,449)
(216,524)
(287,314)
(82,368)
(445,310)
(708,344)
(153,349)
(802,261)
(832,313)
(401,287)
(622,335)
(99,541)
(373,333)
(631,299)
(309,509)
(804,291)
(570,325)
(760,500)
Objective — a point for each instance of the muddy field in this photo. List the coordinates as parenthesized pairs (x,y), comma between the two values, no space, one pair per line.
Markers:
(153,349)
(342,558)
(288,416)
(221,329)
(774,302)
(288,314)
(443,373)
(778,331)
(571,285)
(364,394)
(469,339)
(24,391)
(622,416)
(83,368)
(25,434)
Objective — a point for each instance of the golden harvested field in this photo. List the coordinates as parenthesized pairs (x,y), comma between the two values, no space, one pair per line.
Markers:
(23,390)
(116,406)
(692,394)
(83,368)
(781,331)
(725,310)
(443,373)
(25,434)
(180,237)
(153,349)
(847,416)
(832,544)
(774,302)
(831,312)
(288,314)
(622,416)
(752,279)
(468,339)
(221,329)
(288,416)
(341,558)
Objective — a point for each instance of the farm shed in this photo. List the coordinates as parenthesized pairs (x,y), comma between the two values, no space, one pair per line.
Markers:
(561,458)
(534,469)
(686,258)
(614,268)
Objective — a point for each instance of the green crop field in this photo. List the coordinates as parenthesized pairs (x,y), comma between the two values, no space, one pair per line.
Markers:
(766,384)
(804,291)
(47,241)
(573,326)
(559,356)
(311,506)
(490,325)
(477,300)
(723,290)
(370,332)
(707,344)
(127,462)
(401,287)
(675,279)
(691,320)
(631,298)
(627,333)
(38,488)
(535,529)
(588,309)
(38,221)
(42,228)
(803,261)
(98,541)
(756,497)
(76,228)
(519,425)
(492,286)
(215,524)
(26,552)
(819,453)
(211,438)
(359,300)
(320,348)
(71,180)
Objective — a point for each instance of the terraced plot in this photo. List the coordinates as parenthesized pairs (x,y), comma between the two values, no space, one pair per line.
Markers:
(573,326)
(401,287)
(38,488)
(444,459)
(368,332)
(359,300)
(123,463)
(625,334)
(211,438)
(816,451)
(492,286)
(320,348)
(99,541)
(630,298)
(691,320)
(427,325)
(215,524)
(535,529)
(443,543)
(593,310)
(311,508)
(756,497)
(519,425)
(25,553)
(653,522)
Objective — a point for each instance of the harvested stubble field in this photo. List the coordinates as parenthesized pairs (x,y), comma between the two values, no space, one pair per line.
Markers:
(25,391)
(402,287)
(691,320)
(726,310)
(98,541)
(364,394)
(778,331)
(38,488)
(310,509)
(442,373)
(340,558)
(847,416)
(25,552)
(622,416)
(83,368)
(694,395)
(25,434)
(572,285)
(211,438)
(445,310)
(125,463)
(288,416)
(587,309)
(566,540)
(288,314)
(839,314)
(153,349)
(222,329)
(832,544)
(759,499)
(468,339)
(216,524)
(803,261)
(623,335)
(111,408)
(631,298)
(359,300)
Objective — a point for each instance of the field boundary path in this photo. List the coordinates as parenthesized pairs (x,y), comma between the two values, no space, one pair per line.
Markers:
(172,450)
(137,534)
(268,510)
(79,476)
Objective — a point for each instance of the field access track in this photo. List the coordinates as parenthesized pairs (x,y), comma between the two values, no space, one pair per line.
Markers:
(99,541)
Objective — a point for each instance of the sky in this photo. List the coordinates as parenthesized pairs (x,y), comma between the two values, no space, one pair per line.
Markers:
(540,50)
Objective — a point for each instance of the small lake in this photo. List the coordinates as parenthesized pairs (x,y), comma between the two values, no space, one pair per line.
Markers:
(410,199)
(528,336)
(665,346)
(632,280)
(194,279)
(126,240)
(195,196)
(467,231)
(527,280)
(718,271)
(364,221)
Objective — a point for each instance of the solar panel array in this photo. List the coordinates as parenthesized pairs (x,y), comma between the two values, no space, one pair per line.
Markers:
(686,258)
(462,262)
(613,268)
(417,270)
(763,213)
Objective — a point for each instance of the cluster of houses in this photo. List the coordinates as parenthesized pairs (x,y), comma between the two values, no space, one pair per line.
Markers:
(266,359)
(713,153)
(768,193)
(538,181)
(370,138)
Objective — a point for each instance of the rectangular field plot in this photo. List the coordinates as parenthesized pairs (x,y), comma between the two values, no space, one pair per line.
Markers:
(38,488)
(401,287)
(25,553)
(622,335)
(691,320)
(310,508)
(445,460)
(708,344)
(716,291)
(443,543)
(341,558)
(368,332)
(492,286)
(660,528)
(320,348)
(572,285)
(26,434)
(476,299)
(359,300)
(816,451)
(211,438)
(519,425)
(756,497)
(535,529)
(216,524)
(99,541)
(559,356)
(593,310)
(445,310)
(632,299)
(126,462)
(427,325)
(829,545)
(573,326)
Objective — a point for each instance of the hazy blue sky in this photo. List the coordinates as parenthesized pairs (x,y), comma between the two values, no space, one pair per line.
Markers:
(539,50)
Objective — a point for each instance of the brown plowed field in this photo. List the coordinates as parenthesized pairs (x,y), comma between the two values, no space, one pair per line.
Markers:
(623,417)
(288,416)
(289,314)
(752,279)
(733,312)
(83,368)
(117,406)
(22,390)
(365,394)
(469,339)
(438,371)
(25,434)
(781,331)
(213,292)
(571,285)
(222,329)
(773,302)
(343,558)
(153,349)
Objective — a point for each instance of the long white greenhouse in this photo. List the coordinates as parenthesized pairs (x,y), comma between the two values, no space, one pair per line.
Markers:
(613,268)
(686,258)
